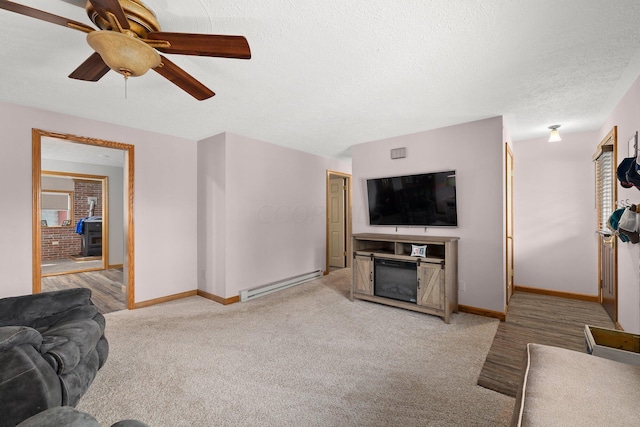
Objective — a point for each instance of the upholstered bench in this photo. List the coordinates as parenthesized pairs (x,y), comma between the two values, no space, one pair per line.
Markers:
(562,387)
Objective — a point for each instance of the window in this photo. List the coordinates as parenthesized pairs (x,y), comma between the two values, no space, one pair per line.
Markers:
(57,208)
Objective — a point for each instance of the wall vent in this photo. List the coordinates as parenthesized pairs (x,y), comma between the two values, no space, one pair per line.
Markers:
(398,153)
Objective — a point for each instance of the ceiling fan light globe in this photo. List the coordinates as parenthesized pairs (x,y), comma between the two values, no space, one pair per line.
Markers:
(123,52)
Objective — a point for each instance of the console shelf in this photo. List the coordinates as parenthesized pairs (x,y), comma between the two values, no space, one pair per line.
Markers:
(436,281)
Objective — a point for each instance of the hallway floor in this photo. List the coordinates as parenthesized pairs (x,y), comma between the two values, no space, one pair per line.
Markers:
(68,264)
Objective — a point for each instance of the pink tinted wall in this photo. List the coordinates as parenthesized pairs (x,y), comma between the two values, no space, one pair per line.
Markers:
(626,116)
(476,152)
(273,225)
(165,201)
(555,220)
(555,217)
(212,255)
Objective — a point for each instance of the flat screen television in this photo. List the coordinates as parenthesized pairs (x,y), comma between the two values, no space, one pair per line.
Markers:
(427,199)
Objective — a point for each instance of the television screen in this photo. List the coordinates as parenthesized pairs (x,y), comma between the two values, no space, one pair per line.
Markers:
(427,199)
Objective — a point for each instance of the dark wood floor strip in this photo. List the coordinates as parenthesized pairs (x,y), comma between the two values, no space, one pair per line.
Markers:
(536,318)
(105,285)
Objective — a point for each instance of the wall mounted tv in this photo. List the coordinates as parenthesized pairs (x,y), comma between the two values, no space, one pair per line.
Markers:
(427,199)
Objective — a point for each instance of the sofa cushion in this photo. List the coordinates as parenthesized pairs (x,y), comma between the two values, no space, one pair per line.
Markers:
(65,344)
(28,384)
(76,382)
(562,387)
(11,336)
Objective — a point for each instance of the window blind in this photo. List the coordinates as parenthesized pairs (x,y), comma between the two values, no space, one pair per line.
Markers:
(605,180)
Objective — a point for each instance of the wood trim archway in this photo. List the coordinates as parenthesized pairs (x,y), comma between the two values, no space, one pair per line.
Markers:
(36,171)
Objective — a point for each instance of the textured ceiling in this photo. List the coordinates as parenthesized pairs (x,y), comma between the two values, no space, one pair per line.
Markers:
(325,75)
(58,149)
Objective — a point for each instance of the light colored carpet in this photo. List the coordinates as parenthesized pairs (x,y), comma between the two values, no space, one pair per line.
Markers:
(305,356)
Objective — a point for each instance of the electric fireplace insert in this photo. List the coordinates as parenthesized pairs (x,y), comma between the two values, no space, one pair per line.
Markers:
(395,279)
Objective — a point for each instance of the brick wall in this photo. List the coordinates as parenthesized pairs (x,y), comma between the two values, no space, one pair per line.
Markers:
(68,241)
(82,190)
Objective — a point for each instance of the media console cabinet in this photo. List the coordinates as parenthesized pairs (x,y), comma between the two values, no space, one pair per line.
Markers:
(384,271)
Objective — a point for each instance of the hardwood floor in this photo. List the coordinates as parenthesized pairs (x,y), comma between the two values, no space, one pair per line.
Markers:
(105,285)
(541,319)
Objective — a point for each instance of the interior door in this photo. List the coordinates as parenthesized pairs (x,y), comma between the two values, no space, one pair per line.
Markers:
(337,235)
(509,222)
(606,194)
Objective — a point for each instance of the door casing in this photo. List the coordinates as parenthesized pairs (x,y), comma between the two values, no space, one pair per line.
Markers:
(36,152)
(347,212)
(509,223)
(607,246)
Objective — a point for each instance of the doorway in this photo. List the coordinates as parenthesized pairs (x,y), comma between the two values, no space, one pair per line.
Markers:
(127,150)
(338,241)
(606,195)
(67,198)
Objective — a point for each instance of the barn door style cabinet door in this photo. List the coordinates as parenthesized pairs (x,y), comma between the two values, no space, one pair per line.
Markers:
(431,290)
(417,273)
(363,274)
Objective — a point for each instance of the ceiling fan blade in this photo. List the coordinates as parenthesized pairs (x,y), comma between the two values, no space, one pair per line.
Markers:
(113,6)
(203,44)
(183,80)
(44,16)
(90,70)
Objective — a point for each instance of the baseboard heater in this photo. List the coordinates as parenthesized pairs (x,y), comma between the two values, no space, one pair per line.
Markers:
(278,286)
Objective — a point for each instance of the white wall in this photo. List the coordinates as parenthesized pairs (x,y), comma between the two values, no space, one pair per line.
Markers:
(273,225)
(115,178)
(165,201)
(476,151)
(626,116)
(555,218)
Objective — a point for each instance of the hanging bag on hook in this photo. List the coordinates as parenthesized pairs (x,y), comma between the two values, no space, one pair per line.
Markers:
(613,224)
(626,167)
(629,168)
(628,224)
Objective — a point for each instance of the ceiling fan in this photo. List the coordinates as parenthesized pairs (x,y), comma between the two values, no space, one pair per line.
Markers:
(128,41)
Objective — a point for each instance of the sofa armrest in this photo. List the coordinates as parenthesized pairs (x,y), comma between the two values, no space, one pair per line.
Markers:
(12,336)
(26,310)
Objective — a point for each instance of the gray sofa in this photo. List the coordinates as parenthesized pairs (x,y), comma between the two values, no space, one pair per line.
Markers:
(51,347)
(70,417)
(562,387)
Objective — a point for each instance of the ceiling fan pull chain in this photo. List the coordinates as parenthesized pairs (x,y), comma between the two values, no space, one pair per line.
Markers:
(125,86)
